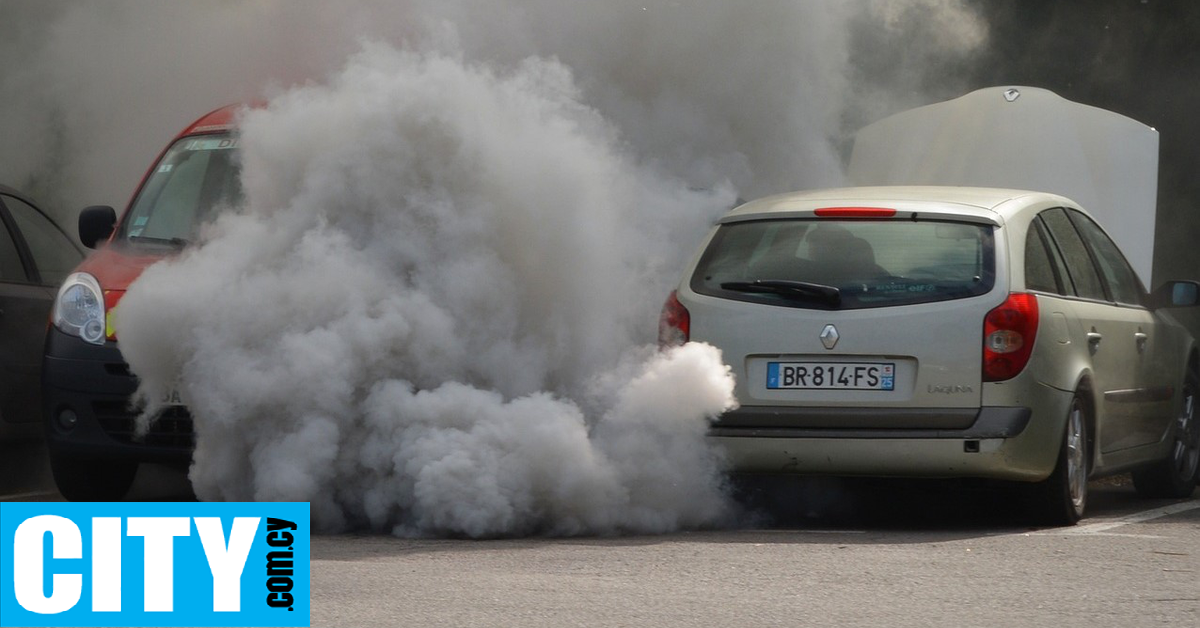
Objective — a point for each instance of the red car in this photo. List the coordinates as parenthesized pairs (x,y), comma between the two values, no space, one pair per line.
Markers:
(86,384)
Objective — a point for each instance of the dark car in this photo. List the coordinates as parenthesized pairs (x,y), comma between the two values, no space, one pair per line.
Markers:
(35,256)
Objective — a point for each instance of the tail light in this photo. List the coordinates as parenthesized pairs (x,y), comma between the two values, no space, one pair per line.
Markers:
(855,212)
(674,324)
(1008,335)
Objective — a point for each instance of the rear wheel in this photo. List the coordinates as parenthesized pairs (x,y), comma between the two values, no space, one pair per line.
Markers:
(1061,499)
(1177,474)
(87,480)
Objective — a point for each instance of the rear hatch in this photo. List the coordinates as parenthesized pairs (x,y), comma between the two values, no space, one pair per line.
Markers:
(851,309)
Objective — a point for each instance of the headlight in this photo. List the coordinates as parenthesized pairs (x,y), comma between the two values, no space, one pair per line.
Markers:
(79,308)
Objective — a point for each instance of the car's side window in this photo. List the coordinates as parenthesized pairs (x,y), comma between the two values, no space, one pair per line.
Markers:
(1060,267)
(1079,262)
(11,268)
(1040,273)
(52,252)
(1122,281)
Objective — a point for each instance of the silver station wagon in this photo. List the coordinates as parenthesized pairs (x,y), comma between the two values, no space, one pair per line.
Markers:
(943,332)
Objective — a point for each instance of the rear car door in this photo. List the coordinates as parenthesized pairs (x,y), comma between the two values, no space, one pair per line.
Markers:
(34,257)
(1150,399)
(1114,330)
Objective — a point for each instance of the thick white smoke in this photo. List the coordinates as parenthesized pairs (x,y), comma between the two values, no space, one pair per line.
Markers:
(757,94)
(431,313)
(419,316)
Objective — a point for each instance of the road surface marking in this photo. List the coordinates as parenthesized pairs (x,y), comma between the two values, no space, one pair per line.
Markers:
(1139,517)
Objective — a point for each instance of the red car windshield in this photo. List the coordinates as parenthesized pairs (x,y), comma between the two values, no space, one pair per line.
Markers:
(196,177)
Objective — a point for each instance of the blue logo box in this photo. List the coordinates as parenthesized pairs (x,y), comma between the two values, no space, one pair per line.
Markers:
(154,564)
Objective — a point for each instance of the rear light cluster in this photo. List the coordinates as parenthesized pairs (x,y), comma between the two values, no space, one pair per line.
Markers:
(1009,332)
(674,324)
(1008,335)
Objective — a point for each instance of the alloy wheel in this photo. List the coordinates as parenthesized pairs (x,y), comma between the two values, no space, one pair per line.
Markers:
(1186,453)
(1076,457)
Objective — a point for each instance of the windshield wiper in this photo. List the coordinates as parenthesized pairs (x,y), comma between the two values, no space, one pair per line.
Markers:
(176,242)
(797,290)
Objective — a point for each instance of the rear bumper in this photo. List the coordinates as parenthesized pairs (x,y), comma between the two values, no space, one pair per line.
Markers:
(95,384)
(1007,443)
(792,422)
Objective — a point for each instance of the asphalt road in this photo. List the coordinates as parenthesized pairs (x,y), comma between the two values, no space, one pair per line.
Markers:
(1112,570)
(838,554)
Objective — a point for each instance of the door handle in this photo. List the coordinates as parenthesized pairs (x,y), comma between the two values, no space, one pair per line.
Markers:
(1140,338)
(1094,337)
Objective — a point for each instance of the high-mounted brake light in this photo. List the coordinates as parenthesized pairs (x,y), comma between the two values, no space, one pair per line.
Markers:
(674,324)
(1008,334)
(855,212)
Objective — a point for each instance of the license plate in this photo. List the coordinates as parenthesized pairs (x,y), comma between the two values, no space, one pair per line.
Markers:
(831,375)
(172,398)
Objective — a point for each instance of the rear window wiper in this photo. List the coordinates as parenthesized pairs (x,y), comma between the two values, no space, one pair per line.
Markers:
(799,290)
(176,242)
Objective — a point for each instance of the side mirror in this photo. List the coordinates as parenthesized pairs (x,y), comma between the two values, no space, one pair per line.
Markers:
(96,224)
(1177,294)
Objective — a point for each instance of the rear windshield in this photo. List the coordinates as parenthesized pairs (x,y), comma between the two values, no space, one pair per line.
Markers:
(847,264)
(196,176)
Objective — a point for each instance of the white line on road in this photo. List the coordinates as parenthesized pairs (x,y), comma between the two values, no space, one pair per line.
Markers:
(1127,536)
(1138,517)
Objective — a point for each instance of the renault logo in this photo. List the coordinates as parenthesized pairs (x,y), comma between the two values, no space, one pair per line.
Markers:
(829,336)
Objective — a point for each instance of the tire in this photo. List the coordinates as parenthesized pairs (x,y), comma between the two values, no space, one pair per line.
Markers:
(1061,499)
(1176,475)
(86,480)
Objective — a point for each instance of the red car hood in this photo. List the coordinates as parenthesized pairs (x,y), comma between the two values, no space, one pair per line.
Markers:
(115,267)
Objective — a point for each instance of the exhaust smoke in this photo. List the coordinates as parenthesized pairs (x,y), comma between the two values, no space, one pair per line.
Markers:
(432,312)
(421,317)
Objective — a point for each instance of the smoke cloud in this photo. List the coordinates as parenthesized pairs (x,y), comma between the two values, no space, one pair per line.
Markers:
(760,96)
(414,319)
(432,312)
